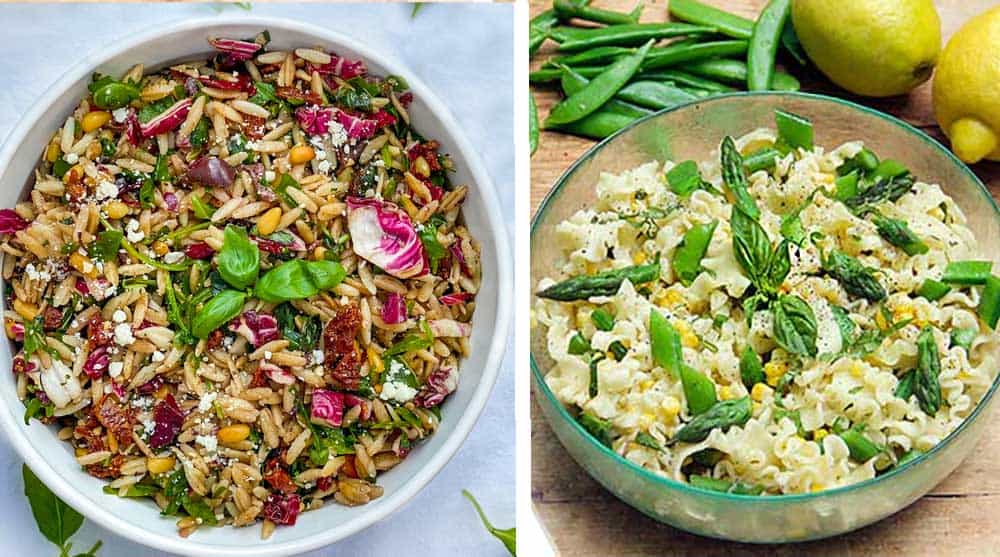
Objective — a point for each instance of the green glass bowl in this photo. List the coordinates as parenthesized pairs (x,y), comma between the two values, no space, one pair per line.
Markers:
(693,131)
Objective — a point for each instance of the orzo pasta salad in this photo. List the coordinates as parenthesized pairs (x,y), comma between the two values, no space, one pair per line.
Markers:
(240,286)
(786,319)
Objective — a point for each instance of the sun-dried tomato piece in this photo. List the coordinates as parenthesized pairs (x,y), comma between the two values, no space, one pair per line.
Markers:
(342,357)
(99,332)
(52,318)
(294,94)
(277,477)
(112,469)
(116,417)
(87,435)
(348,468)
(259,378)
(214,340)
(253,126)
(324,483)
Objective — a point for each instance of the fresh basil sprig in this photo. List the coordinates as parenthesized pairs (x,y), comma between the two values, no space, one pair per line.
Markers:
(507,537)
(239,259)
(794,325)
(216,312)
(765,268)
(298,279)
(56,520)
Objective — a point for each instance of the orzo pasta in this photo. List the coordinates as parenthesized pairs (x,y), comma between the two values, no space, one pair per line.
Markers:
(240,287)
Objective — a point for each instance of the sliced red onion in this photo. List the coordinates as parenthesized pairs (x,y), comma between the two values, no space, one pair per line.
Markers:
(384,235)
(258,328)
(315,120)
(237,51)
(151,386)
(394,309)
(456,298)
(168,119)
(242,83)
(119,390)
(211,171)
(341,67)
(440,383)
(449,328)
(11,222)
(20,365)
(327,408)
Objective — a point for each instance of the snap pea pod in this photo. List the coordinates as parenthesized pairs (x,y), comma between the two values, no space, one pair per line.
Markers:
(673,55)
(967,272)
(699,391)
(572,39)
(683,78)
(764,44)
(654,94)
(664,343)
(728,24)
(790,42)
(933,290)
(735,71)
(722,415)
(989,303)
(926,384)
(964,337)
(532,124)
(566,10)
(861,448)
(572,82)
(548,75)
(599,90)
(725,486)
(793,130)
(602,320)
(686,261)
(761,159)
(910,455)
(751,368)
(598,125)
(538,29)
(601,284)
(735,178)
(599,55)
(578,345)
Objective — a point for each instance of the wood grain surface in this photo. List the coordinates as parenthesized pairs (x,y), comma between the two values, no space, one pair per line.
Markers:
(959,517)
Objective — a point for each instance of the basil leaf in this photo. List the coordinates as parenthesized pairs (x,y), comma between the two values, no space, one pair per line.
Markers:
(435,251)
(152,110)
(751,246)
(325,274)
(794,325)
(201,209)
(413,341)
(161,172)
(297,279)
(217,312)
(107,245)
(684,178)
(648,441)
(199,135)
(147,194)
(239,259)
(56,520)
(844,324)
(778,267)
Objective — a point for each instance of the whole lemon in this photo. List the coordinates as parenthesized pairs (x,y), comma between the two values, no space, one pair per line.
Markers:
(875,48)
(967,89)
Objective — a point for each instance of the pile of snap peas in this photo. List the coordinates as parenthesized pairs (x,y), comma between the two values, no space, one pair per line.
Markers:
(620,70)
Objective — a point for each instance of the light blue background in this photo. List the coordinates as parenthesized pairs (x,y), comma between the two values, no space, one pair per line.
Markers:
(464,53)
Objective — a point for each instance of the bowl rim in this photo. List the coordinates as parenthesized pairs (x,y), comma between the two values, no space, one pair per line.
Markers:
(500,325)
(538,379)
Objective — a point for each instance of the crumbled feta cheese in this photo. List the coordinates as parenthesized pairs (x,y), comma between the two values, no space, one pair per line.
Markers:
(320,154)
(115,369)
(71,158)
(32,273)
(132,231)
(173,257)
(158,356)
(148,426)
(269,175)
(88,266)
(267,354)
(323,166)
(119,316)
(106,190)
(317,356)
(205,404)
(397,391)
(123,334)
(208,441)
(120,114)
(338,135)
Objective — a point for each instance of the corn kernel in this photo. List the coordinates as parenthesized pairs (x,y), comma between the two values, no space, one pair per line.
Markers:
(93,120)
(80,451)
(26,310)
(674,297)
(690,340)
(301,154)
(819,434)
(670,406)
(646,384)
(233,434)
(856,369)
(759,392)
(639,258)
(53,152)
(160,248)
(116,210)
(83,264)
(817,487)
(726,392)
(159,464)
(421,168)
(268,223)
(774,370)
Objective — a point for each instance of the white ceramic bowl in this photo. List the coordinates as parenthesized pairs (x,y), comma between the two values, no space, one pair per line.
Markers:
(52,460)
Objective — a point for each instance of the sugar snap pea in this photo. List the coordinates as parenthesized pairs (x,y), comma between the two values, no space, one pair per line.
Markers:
(633,34)
(793,130)
(599,90)
(764,44)
(725,486)
(728,24)
(578,345)
(989,302)
(967,272)
(572,82)
(549,75)
(861,448)
(699,390)
(722,415)
(598,125)
(532,124)
(599,55)
(790,42)
(600,284)
(910,455)
(654,94)
(538,29)
(735,71)
(602,320)
(933,290)
(685,79)
(566,9)
(673,55)
(760,159)
(904,388)
(664,343)
(964,337)
(686,261)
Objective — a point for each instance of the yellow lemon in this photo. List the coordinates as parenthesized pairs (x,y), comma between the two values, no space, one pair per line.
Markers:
(875,48)
(966,94)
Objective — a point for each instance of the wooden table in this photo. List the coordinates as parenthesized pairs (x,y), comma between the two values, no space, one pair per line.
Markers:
(582,519)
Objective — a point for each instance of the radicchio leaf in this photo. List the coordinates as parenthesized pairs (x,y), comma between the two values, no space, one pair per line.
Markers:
(449,328)
(356,127)
(11,222)
(236,51)
(327,408)
(456,298)
(258,328)
(394,309)
(169,418)
(350,401)
(97,362)
(277,373)
(384,235)
(440,383)
(341,67)
(314,119)
(281,509)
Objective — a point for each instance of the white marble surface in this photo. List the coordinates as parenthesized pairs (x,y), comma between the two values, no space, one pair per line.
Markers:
(462,52)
